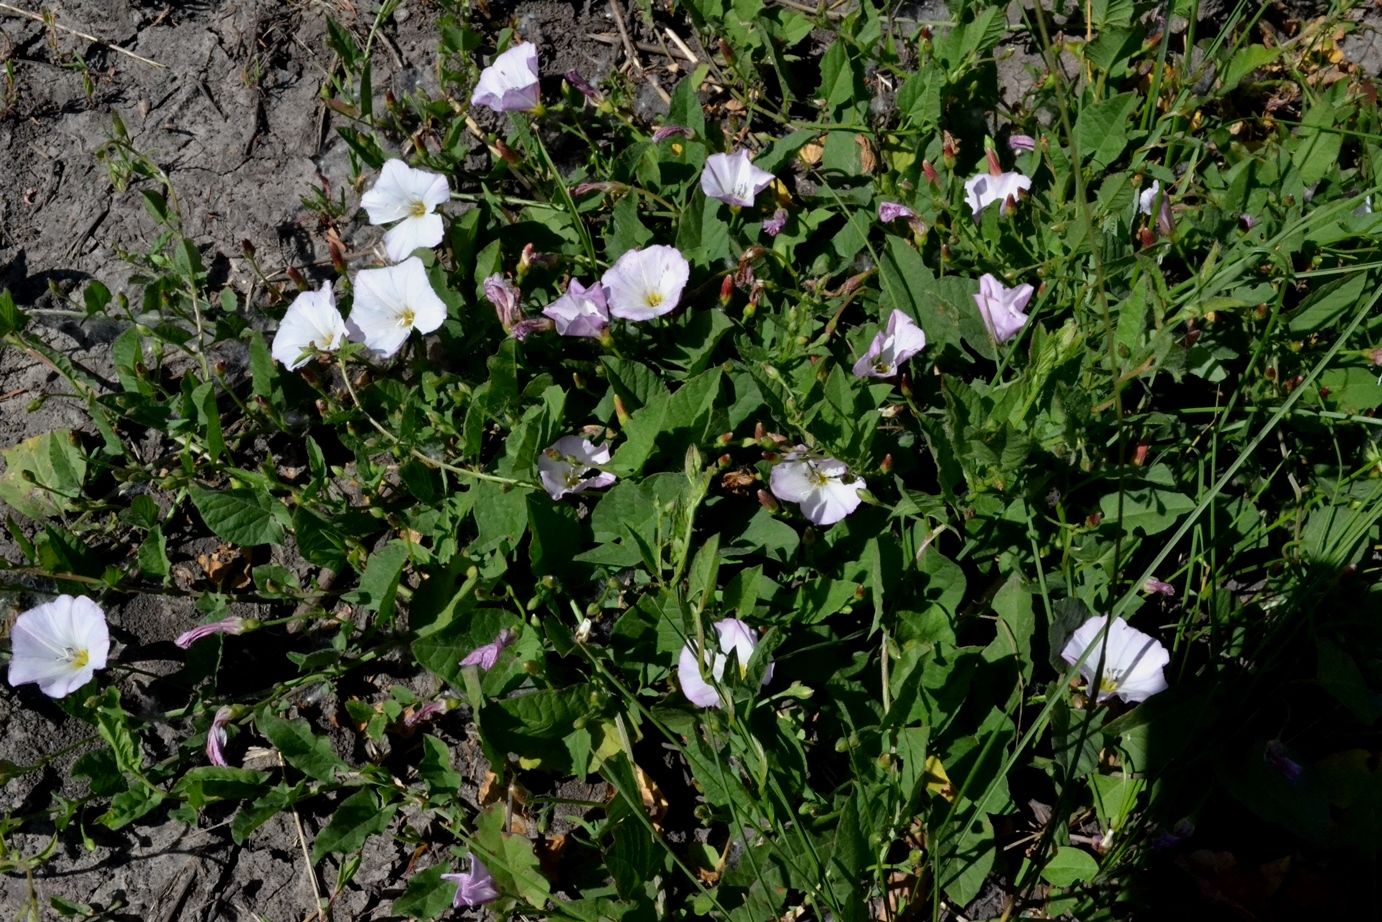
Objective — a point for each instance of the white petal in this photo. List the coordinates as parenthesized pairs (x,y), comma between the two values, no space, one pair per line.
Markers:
(790,481)
(413,233)
(45,639)
(832,501)
(697,690)
(389,200)
(429,310)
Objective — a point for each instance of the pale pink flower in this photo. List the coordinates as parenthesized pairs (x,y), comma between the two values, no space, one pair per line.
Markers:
(563,466)
(1155,586)
(891,211)
(733,179)
(1021,142)
(646,283)
(474,886)
(225,626)
(1132,661)
(732,636)
(59,645)
(581,311)
(897,342)
(823,487)
(487,655)
(509,84)
(672,131)
(1001,307)
(216,737)
(774,225)
(986,188)
(409,197)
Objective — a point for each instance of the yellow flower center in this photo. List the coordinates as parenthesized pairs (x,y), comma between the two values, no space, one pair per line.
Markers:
(818,478)
(78,659)
(653,299)
(1108,683)
(418,208)
(406,318)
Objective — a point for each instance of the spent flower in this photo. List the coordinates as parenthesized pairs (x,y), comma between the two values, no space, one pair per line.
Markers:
(732,636)
(581,311)
(59,645)
(487,655)
(216,737)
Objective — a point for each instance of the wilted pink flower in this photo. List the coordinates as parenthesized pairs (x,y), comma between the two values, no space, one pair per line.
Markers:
(891,211)
(1132,661)
(733,179)
(216,737)
(486,656)
(500,292)
(774,225)
(427,712)
(824,488)
(581,311)
(510,83)
(1157,587)
(583,86)
(986,188)
(895,343)
(226,626)
(646,283)
(1021,142)
(1165,224)
(563,465)
(668,131)
(528,326)
(474,887)
(733,636)
(1001,307)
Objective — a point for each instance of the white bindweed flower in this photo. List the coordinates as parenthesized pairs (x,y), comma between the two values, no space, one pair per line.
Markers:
(312,324)
(409,197)
(1132,660)
(895,343)
(823,487)
(563,466)
(59,644)
(733,179)
(735,637)
(1002,307)
(646,283)
(581,311)
(986,188)
(392,302)
(510,83)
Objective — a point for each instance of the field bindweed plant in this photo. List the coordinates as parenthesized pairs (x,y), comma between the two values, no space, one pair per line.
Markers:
(895,492)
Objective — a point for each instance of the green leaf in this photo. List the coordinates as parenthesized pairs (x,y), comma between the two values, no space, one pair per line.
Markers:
(43,474)
(112,722)
(242,517)
(435,768)
(310,754)
(209,783)
(12,319)
(359,816)
(510,858)
(1069,866)
(427,896)
(379,583)
(272,803)
(1328,304)
(1102,130)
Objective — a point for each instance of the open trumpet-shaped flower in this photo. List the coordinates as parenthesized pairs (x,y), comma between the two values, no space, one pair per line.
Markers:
(312,324)
(474,886)
(59,645)
(986,188)
(733,179)
(563,466)
(391,303)
(581,311)
(1002,307)
(646,283)
(409,197)
(733,636)
(510,83)
(895,343)
(1132,661)
(823,487)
